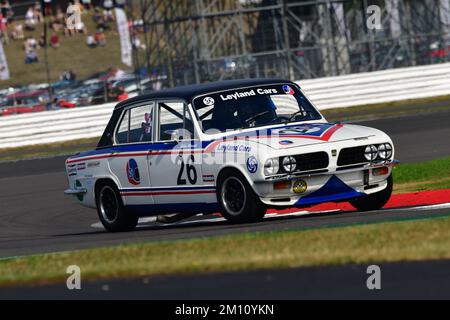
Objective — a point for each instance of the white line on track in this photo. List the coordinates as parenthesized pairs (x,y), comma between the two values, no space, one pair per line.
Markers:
(151,221)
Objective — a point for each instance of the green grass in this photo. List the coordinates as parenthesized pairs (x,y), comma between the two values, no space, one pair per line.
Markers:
(72,54)
(428,175)
(380,242)
(47,150)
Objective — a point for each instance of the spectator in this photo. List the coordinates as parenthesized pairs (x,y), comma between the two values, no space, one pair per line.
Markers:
(108,6)
(30,20)
(3,28)
(54,41)
(31,57)
(6,9)
(42,42)
(68,76)
(17,31)
(100,38)
(30,44)
(38,12)
(48,11)
(90,41)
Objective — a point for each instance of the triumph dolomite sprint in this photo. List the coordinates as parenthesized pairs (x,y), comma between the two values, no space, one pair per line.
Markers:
(234,147)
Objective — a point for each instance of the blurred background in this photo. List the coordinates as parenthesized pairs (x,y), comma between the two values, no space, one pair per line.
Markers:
(45,65)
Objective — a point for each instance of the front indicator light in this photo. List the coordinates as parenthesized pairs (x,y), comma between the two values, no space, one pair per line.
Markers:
(280,185)
(380,171)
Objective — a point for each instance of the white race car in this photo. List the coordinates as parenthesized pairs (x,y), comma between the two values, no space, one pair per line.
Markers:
(234,147)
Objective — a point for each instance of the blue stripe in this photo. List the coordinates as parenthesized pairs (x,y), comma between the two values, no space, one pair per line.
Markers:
(334,190)
(193,144)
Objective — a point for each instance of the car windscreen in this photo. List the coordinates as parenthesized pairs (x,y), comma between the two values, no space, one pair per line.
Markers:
(253,107)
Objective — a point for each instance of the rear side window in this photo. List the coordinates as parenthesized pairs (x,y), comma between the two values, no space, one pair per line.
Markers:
(136,125)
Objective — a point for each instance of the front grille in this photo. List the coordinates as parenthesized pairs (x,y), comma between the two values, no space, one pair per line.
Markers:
(310,161)
(349,156)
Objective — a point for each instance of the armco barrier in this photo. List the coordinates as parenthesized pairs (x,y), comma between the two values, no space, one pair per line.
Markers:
(331,92)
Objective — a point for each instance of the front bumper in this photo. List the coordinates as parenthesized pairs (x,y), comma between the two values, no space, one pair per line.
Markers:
(329,186)
(75,191)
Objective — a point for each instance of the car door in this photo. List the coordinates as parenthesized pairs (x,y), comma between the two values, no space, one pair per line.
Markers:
(175,161)
(129,161)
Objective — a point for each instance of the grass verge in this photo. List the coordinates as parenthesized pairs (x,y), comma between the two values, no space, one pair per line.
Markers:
(428,175)
(380,242)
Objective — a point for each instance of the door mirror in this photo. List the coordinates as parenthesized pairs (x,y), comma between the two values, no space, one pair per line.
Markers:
(175,135)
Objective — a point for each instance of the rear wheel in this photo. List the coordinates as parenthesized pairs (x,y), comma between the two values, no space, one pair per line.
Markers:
(376,200)
(111,210)
(237,200)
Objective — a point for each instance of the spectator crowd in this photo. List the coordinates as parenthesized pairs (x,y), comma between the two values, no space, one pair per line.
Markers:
(55,17)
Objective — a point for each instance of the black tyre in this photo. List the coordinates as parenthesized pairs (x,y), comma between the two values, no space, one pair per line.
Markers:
(374,201)
(237,200)
(111,210)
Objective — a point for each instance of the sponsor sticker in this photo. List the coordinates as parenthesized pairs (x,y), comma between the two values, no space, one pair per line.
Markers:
(286,142)
(133,172)
(288,90)
(252,164)
(208,101)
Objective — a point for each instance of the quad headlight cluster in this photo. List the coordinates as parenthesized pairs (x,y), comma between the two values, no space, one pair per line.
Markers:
(272,166)
(380,152)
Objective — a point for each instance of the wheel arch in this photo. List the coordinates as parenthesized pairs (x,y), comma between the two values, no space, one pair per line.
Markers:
(235,169)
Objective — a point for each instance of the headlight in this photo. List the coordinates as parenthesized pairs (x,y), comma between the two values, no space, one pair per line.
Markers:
(271,166)
(385,151)
(371,152)
(289,164)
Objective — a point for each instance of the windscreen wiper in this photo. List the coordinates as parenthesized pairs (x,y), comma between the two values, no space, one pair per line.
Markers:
(256,116)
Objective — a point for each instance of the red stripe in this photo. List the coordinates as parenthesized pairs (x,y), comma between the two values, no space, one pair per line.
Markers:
(114,155)
(165,193)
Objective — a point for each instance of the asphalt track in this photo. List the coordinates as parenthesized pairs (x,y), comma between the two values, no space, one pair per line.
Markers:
(36,217)
(404,280)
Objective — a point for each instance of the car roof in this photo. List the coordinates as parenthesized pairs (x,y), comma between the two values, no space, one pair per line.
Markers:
(189,92)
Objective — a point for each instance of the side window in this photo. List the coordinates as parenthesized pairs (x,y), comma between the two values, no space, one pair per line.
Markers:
(174,116)
(122,131)
(136,125)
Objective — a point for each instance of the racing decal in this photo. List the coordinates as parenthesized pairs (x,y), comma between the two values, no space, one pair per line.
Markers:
(316,131)
(288,90)
(191,173)
(334,189)
(286,142)
(243,94)
(227,147)
(252,164)
(208,101)
(93,164)
(81,166)
(208,178)
(133,172)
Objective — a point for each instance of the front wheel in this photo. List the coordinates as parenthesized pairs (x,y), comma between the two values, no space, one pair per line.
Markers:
(376,200)
(237,200)
(111,210)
